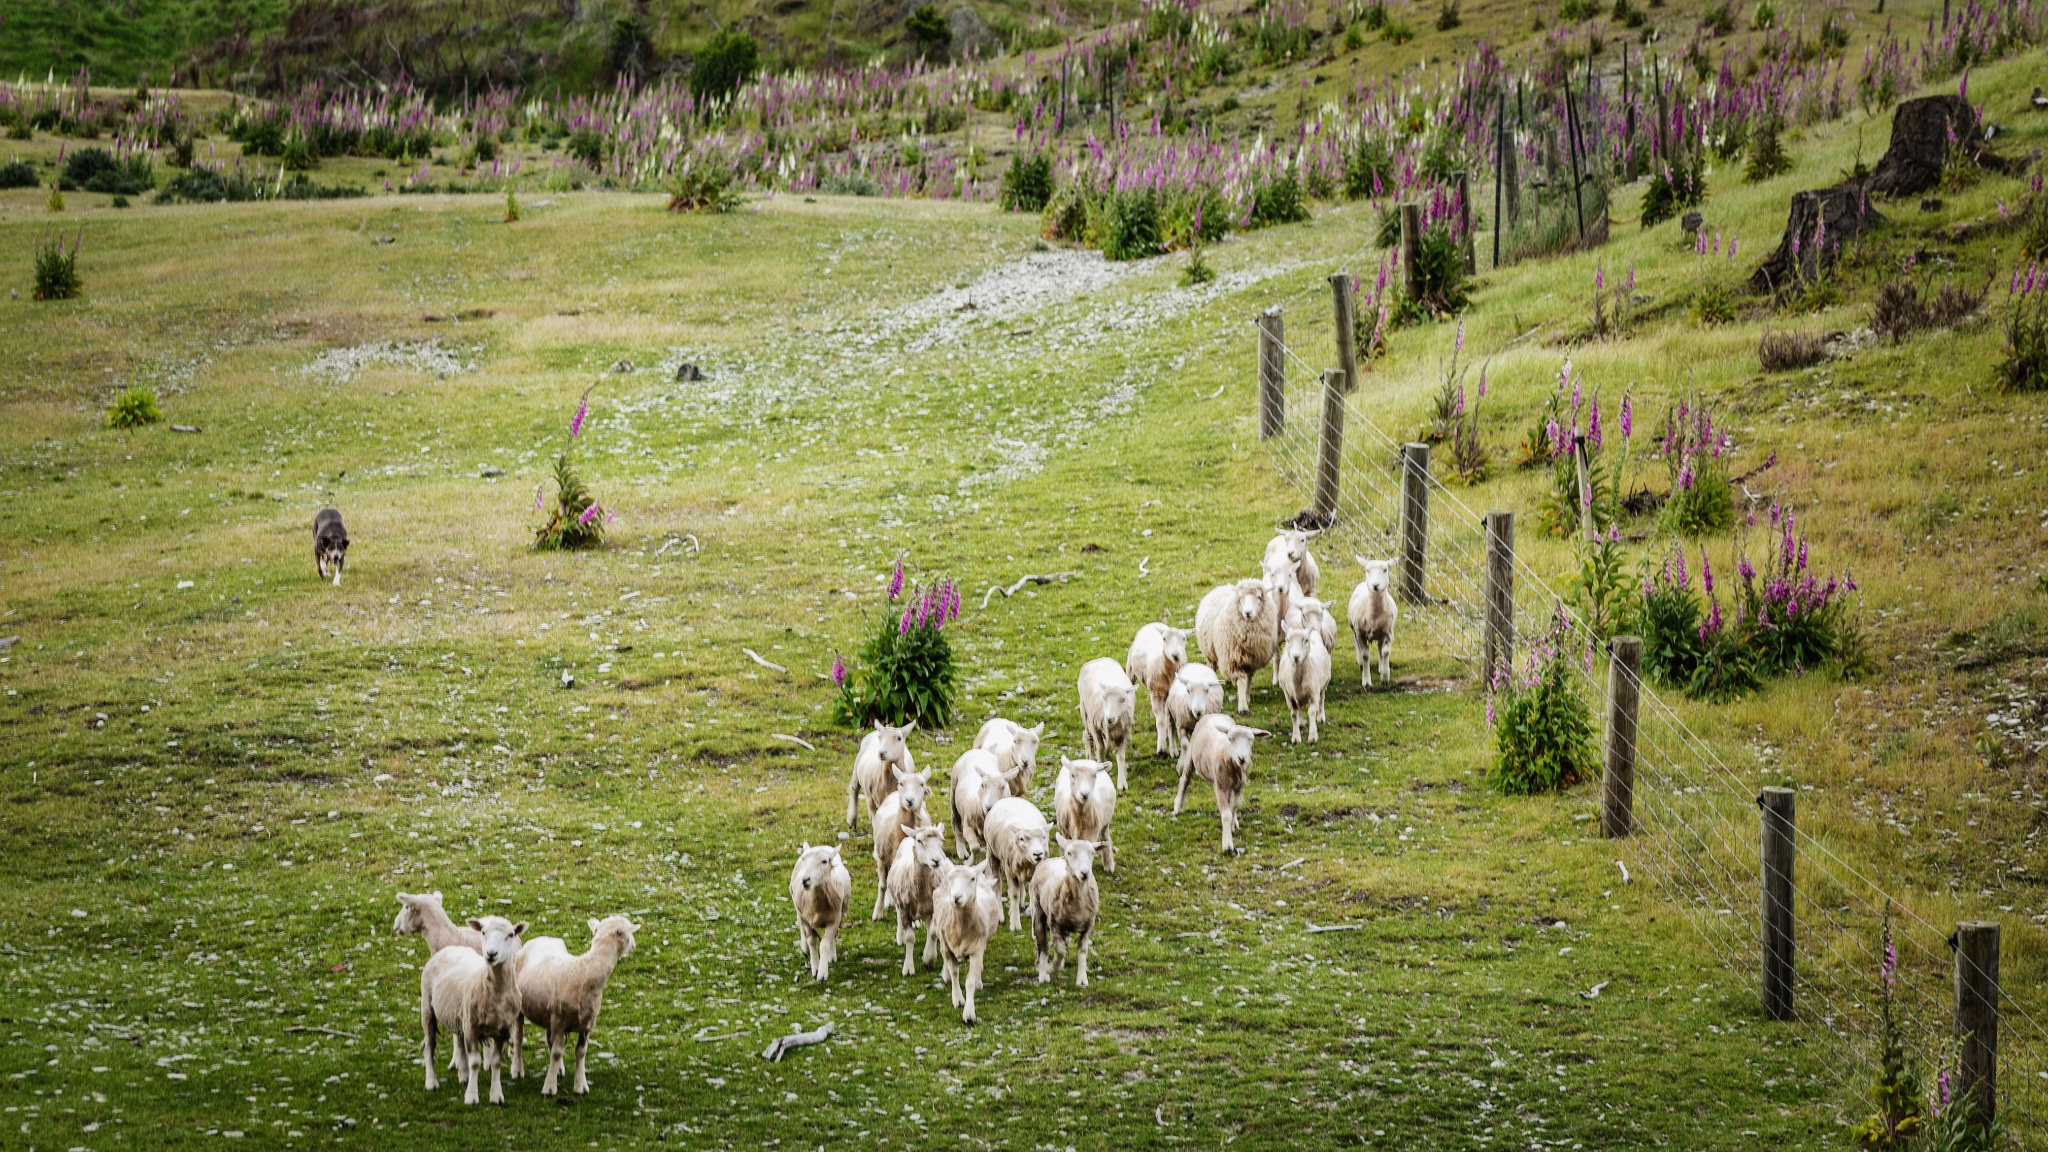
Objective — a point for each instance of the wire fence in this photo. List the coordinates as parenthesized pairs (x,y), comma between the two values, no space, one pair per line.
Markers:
(1697,827)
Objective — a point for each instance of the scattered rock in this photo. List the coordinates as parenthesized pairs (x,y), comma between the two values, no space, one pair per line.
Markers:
(971,34)
(184,428)
(1690,222)
(7,642)
(687,372)
(435,317)
(622,367)
(492,470)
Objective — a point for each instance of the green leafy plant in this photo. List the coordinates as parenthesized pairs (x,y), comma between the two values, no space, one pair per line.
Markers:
(906,671)
(133,409)
(57,268)
(702,188)
(586,145)
(1279,200)
(1585,478)
(2024,365)
(511,206)
(1027,185)
(1542,729)
(1718,20)
(1198,270)
(19,174)
(729,60)
(928,31)
(574,519)
(1129,225)
(1673,188)
(1898,1122)
(97,170)
(1447,16)
(1764,18)
(1600,590)
(1701,501)
(1368,167)
(1767,155)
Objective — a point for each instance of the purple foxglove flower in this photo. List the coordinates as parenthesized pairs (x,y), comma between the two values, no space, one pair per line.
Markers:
(1795,243)
(1460,410)
(1732,242)
(838,672)
(1593,426)
(1706,573)
(1482,383)
(1599,278)
(903,625)
(1628,419)
(1459,346)
(896,581)
(537,491)
(576,422)
(589,514)
(1685,476)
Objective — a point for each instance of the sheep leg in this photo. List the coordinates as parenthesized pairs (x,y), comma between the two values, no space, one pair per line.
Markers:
(1315,705)
(555,1038)
(472,1063)
(1159,724)
(1081,961)
(1041,947)
(1120,749)
(427,1041)
(1108,852)
(952,969)
(1087,738)
(1294,712)
(1016,913)
(852,798)
(805,946)
(519,1048)
(582,1084)
(1244,693)
(973,982)
(1187,769)
(906,935)
(1229,813)
(494,1058)
(828,951)
(881,887)
(1364,653)
(1386,654)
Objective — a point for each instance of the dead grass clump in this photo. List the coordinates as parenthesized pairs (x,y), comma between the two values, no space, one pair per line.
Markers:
(1785,351)
(1903,307)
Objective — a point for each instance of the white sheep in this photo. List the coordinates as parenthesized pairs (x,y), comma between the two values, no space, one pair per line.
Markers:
(1287,555)
(1238,628)
(1013,745)
(904,809)
(881,749)
(423,915)
(821,889)
(561,993)
(1064,901)
(1304,666)
(1306,612)
(913,876)
(965,914)
(1196,693)
(1221,753)
(474,996)
(1083,804)
(1016,833)
(979,781)
(1109,706)
(1372,615)
(1158,653)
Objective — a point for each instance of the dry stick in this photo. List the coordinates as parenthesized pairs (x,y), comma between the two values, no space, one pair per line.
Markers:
(1012,590)
(702,1038)
(1315,928)
(780,1048)
(756,658)
(793,739)
(324,1031)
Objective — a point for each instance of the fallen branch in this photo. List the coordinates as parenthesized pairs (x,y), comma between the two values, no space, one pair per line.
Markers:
(1012,590)
(1624,871)
(793,739)
(1213,395)
(781,1047)
(1315,928)
(756,658)
(184,428)
(323,1030)
(701,1038)
(692,549)
(1294,863)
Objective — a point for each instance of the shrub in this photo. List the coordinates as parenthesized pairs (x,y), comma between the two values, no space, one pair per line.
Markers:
(723,65)
(1796,621)
(1700,654)
(1542,729)
(575,521)
(1369,168)
(57,268)
(1449,402)
(1715,303)
(1719,20)
(1767,155)
(908,672)
(96,170)
(19,174)
(1027,186)
(1198,271)
(1903,306)
(298,154)
(511,206)
(1600,592)
(1702,501)
(1396,31)
(586,145)
(133,409)
(1764,18)
(207,186)
(1673,189)
(1786,351)
(1628,15)
(1279,200)
(1130,225)
(1564,508)
(1447,16)
(703,188)
(928,31)
(2024,367)
(849,183)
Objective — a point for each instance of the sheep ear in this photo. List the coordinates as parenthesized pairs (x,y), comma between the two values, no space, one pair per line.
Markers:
(896,770)
(1065,763)
(593,924)
(435,896)
(925,776)
(1362,561)
(1037,729)
(477,924)
(804,849)
(879,725)
(519,929)
(405,898)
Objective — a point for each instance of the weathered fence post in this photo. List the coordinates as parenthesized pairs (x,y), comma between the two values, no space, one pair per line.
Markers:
(1465,221)
(1498,647)
(1331,453)
(1411,255)
(1500,168)
(1414,521)
(1976,945)
(1777,901)
(1571,124)
(1344,316)
(1618,782)
(1582,460)
(1272,374)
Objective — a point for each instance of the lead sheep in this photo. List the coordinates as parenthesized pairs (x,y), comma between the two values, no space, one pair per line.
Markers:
(424,916)
(913,876)
(1064,901)
(560,993)
(1083,804)
(1109,707)
(1221,753)
(979,782)
(1016,834)
(1304,671)
(821,889)
(903,809)
(880,750)
(1196,693)
(1157,655)
(1238,628)
(1372,615)
(1287,555)
(1014,746)
(474,996)
(965,913)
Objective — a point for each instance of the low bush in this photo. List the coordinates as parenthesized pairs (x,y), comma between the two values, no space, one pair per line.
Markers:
(56,268)
(907,672)
(1368,168)
(1718,20)
(1701,501)
(1767,155)
(1447,16)
(1027,185)
(586,145)
(703,188)
(1198,271)
(1129,228)
(1786,351)
(728,61)
(96,170)
(1903,306)
(1279,200)
(19,174)
(1673,188)
(575,520)
(133,409)
(1567,425)
(2024,365)
(236,185)
(1542,728)
(848,183)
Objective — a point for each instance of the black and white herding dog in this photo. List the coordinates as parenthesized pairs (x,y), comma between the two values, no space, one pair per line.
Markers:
(330,544)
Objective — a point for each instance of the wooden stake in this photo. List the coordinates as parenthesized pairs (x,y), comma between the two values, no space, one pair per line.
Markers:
(1498,643)
(1272,374)
(1344,314)
(1977,1010)
(1618,783)
(1411,256)
(1330,456)
(1776,804)
(1414,521)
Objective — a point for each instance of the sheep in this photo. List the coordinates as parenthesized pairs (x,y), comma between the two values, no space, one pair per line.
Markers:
(879,750)
(475,997)
(1064,901)
(1016,833)
(1304,666)
(1287,555)
(965,914)
(913,876)
(1083,803)
(1372,618)
(903,810)
(1196,693)
(1221,753)
(1238,629)
(423,915)
(1109,704)
(561,993)
(979,781)
(1157,654)
(1307,612)
(1013,745)
(821,889)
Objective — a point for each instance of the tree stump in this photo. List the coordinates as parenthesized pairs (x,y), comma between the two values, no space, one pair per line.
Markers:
(1919,150)
(1820,224)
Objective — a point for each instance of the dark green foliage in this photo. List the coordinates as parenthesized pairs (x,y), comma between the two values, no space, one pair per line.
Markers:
(906,671)
(1669,618)
(575,520)
(1198,271)
(1600,591)
(1440,257)
(1279,201)
(1447,16)
(1897,1123)
(705,188)
(19,174)
(723,65)
(2024,366)
(1673,188)
(1369,169)
(853,183)
(260,135)
(1628,15)
(1718,20)
(57,268)
(1767,155)
(133,409)
(206,186)
(928,32)
(586,145)
(1027,185)
(1542,729)
(298,154)
(629,53)
(96,170)
(1129,225)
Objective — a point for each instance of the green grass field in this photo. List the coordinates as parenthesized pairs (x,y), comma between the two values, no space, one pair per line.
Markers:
(216,771)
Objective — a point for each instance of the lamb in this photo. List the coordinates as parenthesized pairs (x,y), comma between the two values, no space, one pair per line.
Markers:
(903,810)
(1196,693)
(965,913)
(1287,555)
(1221,753)
(423,915)
(821,889)
(475,997)
(913,876)
(1013,745)
(1157,654)
(1109,704)
(1064,901)
(1238,629)
(979,781)
(1083,803)
(1372,618)
(1016,834)
(561,993)
(1307,612)
(1304,669)
(881,749)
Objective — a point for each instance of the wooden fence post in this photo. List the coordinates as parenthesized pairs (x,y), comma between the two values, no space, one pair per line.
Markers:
(1976,945)
(1272,374)
(1465,221)
(1618,783)
(1498,647)
(1582,460)
(1344,316)
(1331,454)
(1571,124)
(1500,169)
(1411,257)
(1777,901)
(1414,521)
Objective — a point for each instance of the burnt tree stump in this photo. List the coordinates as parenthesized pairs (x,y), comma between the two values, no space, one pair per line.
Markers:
(1820,224)
(1919,150)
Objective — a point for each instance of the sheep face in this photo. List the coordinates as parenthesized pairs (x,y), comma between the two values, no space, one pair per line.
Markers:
(890,743)
(928,846)
(501,938)
(1296,647)
(1119,705)
(1251,599)
(1173,643)
(1026,747)
(617,928)
(1377,572)
(959,886)
(1032,846)
(1240,744)
(1084,777)
(995,787)
(409,922)
(1284,552)
(814,866)
(911,788)
(1080,858)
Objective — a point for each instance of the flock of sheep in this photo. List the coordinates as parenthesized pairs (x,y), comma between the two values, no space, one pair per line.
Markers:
(1271,619)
